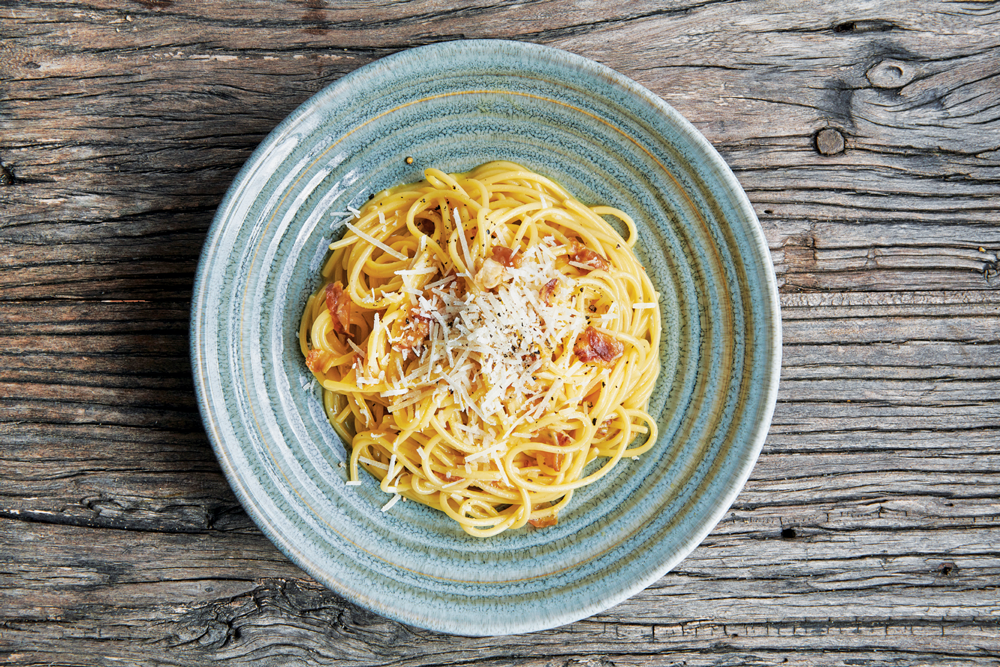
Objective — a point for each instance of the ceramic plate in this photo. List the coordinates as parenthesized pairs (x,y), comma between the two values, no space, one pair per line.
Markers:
(608,140)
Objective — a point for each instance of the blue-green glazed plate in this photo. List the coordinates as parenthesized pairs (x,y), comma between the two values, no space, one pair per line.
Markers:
(608,140)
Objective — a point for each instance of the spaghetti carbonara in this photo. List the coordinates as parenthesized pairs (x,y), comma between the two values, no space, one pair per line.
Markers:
(480,339)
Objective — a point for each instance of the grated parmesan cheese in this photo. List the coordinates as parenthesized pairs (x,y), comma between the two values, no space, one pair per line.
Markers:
(424,271)
(392,501)
(493,339)
(375,242)
(354,346)
(372,462)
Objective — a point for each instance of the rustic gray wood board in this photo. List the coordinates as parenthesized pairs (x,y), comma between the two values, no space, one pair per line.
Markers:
(867,136)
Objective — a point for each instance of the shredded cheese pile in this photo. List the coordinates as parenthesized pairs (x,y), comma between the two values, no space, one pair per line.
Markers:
(494,337)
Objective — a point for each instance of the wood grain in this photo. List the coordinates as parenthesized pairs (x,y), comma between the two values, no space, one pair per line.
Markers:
(867,136)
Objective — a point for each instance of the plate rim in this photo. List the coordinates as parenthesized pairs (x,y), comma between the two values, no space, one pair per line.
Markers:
(750,451)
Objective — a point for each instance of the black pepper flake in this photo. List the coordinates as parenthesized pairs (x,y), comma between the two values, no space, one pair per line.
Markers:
(595,421)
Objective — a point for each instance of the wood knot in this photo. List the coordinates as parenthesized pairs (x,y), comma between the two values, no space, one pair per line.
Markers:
(830,141)
(863,26)
(890,74)
(788,533)
(871,258)
(946,569)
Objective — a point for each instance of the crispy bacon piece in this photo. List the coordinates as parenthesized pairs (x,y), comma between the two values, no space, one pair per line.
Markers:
(597,346)
(548,292)
(506,256)
(339,305)
(314,360)
(490,274)
(544,522)
(555,460)
(413,335)
(584,255)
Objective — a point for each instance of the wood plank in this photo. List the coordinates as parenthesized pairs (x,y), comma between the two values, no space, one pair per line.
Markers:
(812,69)
(233,617)
(867,532)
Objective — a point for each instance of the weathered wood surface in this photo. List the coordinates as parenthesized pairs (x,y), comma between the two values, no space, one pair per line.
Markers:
(867,136)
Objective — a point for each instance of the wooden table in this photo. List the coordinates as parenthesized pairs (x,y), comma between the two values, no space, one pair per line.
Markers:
(867,136)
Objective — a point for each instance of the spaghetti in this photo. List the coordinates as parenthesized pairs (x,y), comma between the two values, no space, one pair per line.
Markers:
(480,339)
